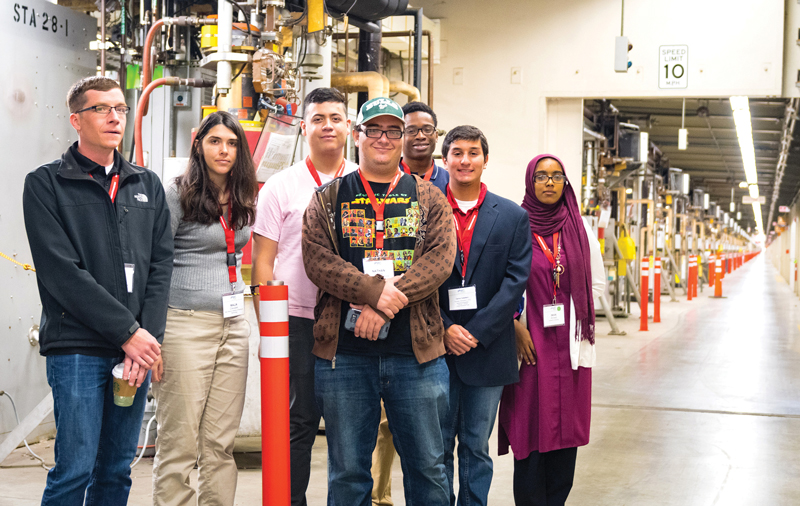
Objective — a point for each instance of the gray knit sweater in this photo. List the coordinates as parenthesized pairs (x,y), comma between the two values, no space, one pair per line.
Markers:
(200,273)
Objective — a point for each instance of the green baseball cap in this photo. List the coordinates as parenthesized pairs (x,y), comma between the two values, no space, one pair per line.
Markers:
(380,106)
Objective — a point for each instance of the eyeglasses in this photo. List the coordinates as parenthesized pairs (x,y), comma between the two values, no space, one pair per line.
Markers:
(105,110)
(376,133)
(541,177)
(413,131)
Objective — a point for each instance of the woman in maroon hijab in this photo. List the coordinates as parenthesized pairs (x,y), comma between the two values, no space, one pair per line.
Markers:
(545,417)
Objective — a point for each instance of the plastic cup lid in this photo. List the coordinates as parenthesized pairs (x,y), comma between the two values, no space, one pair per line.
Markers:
(118,369)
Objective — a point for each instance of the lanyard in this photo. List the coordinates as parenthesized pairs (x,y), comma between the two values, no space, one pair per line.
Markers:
(231,245)
(378,208)
(315,174)
(428,174)
(461,236)
(112,190)
(555,262)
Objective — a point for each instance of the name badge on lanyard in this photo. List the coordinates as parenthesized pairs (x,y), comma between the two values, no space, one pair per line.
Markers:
(553,314)
(465,297)
(233,301)
(383,267)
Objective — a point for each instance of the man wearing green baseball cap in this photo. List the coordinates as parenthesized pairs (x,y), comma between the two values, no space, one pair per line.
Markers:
(378,331)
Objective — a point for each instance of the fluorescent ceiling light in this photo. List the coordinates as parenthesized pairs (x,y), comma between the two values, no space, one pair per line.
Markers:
(733,206)
(744,131)
(685,184)
(739,215)
(706,199)
(753,191)
(759,219)
(683,138)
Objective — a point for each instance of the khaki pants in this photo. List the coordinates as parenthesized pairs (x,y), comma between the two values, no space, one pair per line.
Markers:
(200,403)
(382,459)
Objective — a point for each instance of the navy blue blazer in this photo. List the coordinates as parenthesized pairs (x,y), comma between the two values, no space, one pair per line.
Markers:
(499,264)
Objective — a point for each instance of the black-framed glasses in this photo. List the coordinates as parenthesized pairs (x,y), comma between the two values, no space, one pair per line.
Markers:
(105,110)
(541,177)
(413,131)
(376,133)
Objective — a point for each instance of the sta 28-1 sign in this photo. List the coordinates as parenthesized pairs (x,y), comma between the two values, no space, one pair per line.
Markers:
(40,20)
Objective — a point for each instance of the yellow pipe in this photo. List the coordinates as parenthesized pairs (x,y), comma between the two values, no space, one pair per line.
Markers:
(375,84)
(411,92)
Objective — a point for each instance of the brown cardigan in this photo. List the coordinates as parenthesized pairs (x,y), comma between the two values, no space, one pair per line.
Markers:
(434,255)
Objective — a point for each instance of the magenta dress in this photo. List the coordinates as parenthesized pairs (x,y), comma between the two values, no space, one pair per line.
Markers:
(550,408)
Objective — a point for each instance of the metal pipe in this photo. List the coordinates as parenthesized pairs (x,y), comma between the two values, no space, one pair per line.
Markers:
(168,81)
(146,53)
(417,13)
(224,42)
(102,37)
(403,87)
(615,331)
(369,57)
(594,134)
(375,84)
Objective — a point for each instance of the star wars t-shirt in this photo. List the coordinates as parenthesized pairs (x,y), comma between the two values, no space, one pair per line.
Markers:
(356,234)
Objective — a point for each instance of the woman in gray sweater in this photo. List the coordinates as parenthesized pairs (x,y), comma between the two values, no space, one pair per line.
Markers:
(205,349)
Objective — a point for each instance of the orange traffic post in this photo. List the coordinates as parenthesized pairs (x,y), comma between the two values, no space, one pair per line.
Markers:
(689,278)
(657,291)
(645,289)
(721,273)
(729,263)
(274,356)
(711,271)
(718,279)
(695,275)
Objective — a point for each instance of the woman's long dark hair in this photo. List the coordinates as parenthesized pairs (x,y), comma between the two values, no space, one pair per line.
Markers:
(199,195)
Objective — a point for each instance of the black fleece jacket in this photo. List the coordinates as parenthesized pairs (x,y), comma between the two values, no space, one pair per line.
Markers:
(80,242)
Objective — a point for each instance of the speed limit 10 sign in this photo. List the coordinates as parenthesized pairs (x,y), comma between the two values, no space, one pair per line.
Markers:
(673,69)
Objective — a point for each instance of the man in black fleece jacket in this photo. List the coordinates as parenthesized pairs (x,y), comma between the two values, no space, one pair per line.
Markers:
(99,233)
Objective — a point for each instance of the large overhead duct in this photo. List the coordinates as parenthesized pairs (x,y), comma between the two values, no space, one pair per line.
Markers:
(412,92)
(375,84)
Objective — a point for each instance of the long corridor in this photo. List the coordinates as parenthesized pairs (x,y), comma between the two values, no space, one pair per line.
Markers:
(703,409)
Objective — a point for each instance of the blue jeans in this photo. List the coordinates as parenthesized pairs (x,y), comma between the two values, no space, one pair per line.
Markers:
(470,417)
(415,397)
(95,439)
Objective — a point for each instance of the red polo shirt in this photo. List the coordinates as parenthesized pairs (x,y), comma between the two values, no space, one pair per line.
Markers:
(465,223)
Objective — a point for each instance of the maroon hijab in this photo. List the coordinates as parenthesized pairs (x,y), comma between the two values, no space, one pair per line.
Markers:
(564,216)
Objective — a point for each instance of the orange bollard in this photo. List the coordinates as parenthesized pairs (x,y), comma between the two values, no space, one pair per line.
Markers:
(721,273)
(729,263)
(711,271)
(645,288)
(689,278)
(718,280)
(657,291)
(274,356)
(695,276)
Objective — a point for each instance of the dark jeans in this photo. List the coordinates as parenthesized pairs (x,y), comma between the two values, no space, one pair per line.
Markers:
(415,398)
(471,417)
(303,411)
(95,439)
(544,479)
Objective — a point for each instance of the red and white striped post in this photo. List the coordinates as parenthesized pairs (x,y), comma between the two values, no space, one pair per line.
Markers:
(274,355)
(695,275)
(657,291)
(711,270)
(690,278)
(718,279)
(645,289)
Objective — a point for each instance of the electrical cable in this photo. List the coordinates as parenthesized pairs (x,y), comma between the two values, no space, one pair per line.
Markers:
(246,21)
(14,405)
(144,443)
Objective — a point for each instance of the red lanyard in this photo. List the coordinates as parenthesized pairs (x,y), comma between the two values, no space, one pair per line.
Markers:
(549,255)
(315,174)
(112,190)
(428,174)
(230,243)
(378,208)
(460,236)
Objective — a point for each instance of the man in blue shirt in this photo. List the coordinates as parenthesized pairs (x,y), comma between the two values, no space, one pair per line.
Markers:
(419,143)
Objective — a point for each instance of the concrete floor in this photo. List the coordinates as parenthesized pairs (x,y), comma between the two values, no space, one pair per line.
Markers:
(703,409)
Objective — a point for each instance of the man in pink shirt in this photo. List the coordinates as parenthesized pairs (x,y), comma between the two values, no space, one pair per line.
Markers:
(277,255)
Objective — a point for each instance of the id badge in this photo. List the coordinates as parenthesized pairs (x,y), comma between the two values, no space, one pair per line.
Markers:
(553,315)
(383,267)
(129,268)
(463,298)
(232,304)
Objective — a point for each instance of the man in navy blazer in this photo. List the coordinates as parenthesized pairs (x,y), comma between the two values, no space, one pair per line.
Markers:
(478,303)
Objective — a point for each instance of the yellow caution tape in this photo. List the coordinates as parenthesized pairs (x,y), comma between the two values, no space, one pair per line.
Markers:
(27,267)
